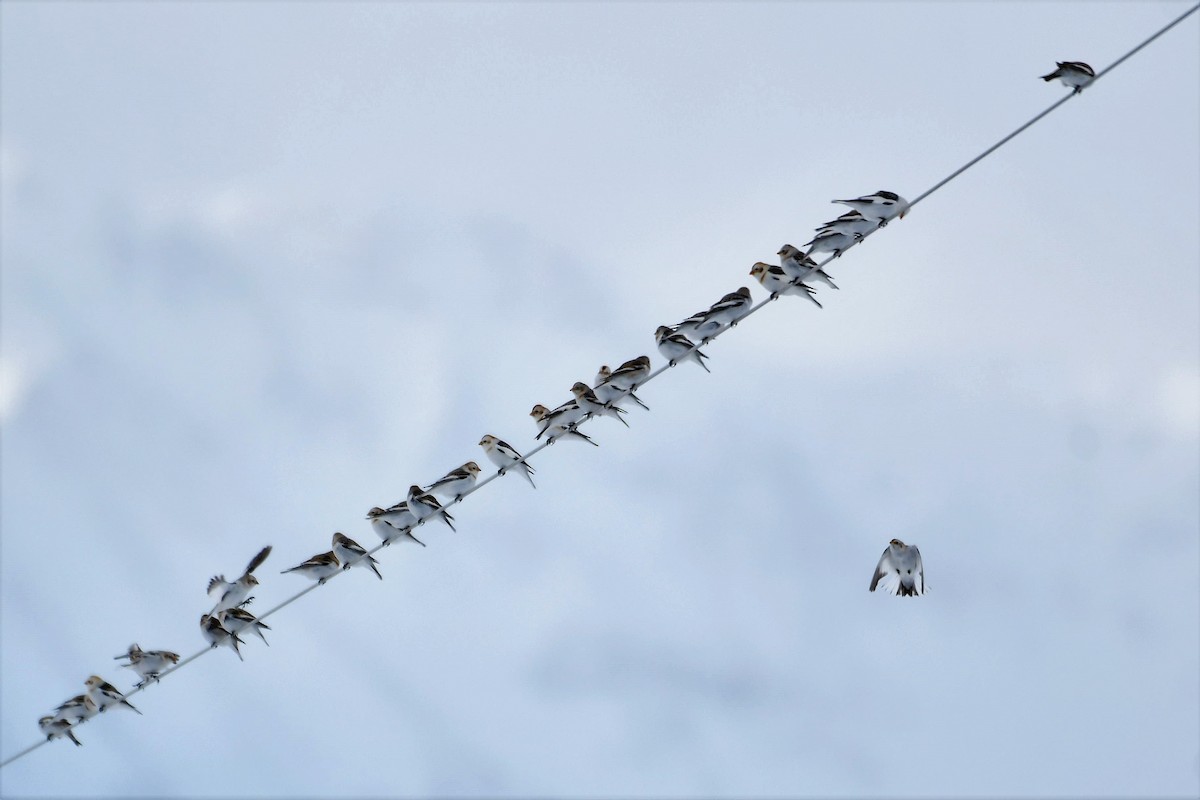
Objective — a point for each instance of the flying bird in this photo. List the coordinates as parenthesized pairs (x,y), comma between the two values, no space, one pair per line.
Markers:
(504,455)
(555,423)
(901,570)
(776,281)
(104,694)
(54,727)
(148,664)
(1073,74)
(236,593)
(218,635)
(797,265)
(457,482)
(319,568)
(351,554)
(882,206)
(676,347)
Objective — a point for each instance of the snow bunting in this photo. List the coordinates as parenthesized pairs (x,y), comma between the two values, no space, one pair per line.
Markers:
(351,553)
(676,347)
(730,308)
(236,620)
(503,455)
(831,242)
(697,326)
(217,635)
(589,402)
(104,694)
(390,531)
(455,483)
(797,265)
(776,281)
(901,570)
(319,568)
(236,593)
(424,505)
(555,423)
(148,663)
(630,375)
(609,392)
(77,709)
(882,206)
(1074,74)
(852,223)
(54,727)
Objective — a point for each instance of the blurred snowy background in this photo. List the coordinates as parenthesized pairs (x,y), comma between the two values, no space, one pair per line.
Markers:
(265,265)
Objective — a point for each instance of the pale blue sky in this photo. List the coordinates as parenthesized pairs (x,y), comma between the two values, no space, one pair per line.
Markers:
(265,265)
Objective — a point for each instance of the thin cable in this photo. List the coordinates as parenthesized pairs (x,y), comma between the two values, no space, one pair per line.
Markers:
(654,374)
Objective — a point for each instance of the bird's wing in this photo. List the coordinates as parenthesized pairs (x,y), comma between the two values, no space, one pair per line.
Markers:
(882,569)
(257,561)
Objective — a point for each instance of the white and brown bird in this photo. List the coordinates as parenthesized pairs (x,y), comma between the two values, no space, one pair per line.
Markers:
(730,309)
(424,505)
(216,634)
(149,664)
(351,554)
(54,727)
(558,423)
(77,709)
(1073,74)
(589,402)
(630,375)
(236,593)
(882,206)
(506,457)
(237,620)
(776,281)
(319,568)
(456,482)
(900,570)
(676,347)
(610,392)
(390,526)
(852,223)
(798,266)
(104,694)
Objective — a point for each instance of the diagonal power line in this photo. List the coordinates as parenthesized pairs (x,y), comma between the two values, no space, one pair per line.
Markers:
(654,374)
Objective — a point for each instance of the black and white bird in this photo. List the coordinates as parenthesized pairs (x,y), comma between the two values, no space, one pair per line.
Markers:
(727,311)
(505,456)
(149,664)
(77,709)
(589,402)
(390,525)
(1073,74)
(352,554)
(237,620)
(319,568)
(611,393)
(900,570)
(104,694)
(676,347)
(424,505)
(557,423)
(216,634)
(882,206)
(777,282)
(797,265)
(54,727)
(455,483)
(852,223)
(229,594)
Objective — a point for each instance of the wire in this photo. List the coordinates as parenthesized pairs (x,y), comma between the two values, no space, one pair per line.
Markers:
(655,373)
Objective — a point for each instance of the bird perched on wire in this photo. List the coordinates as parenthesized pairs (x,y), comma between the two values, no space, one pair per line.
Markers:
(852,223)
(676,347)
(776,281)
(831,242)
(54,727)
(237,620)
(610,392)
(392,524)
(589,402)
(319,568)
(423,505)
(557,423)
(455,483)
(798,266)
(504,456)
(148,663)
(729,309)
(351,554)
(630,375)
(882,206)
(77,709)
(217,634)
(1073,74)
(900,570)
(104,694)
(236,593)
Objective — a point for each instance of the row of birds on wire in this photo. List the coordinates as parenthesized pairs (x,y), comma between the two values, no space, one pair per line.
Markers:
(899,570)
